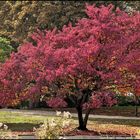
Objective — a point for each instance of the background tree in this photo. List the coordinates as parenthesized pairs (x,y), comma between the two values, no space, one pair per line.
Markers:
(81,62)
(5,49)
(130,73)
(21,18)
(130,6)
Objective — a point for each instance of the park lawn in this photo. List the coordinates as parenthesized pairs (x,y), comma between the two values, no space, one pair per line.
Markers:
(25,123)
(19,122)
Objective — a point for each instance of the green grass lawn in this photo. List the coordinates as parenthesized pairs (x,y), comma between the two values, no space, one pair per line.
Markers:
(19,122)
(25,123)
(12,117)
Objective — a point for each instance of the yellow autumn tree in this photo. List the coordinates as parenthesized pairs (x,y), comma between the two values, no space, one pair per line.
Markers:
(20,18)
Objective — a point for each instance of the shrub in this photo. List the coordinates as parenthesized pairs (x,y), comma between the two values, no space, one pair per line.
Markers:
(138,134)
(5,133)
(54,128)
(124,100)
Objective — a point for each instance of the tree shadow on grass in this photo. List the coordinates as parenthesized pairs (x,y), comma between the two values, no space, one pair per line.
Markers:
(115,121)
(25,127)
(119,122)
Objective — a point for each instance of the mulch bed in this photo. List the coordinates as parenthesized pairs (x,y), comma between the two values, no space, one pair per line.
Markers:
(79,132)
(94,133)
(22,133)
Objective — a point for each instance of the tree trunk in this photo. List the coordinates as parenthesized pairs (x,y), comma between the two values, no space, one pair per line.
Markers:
(80,119)
(136,110)
(82,96)
(86,117)
(31,105)
(136,106)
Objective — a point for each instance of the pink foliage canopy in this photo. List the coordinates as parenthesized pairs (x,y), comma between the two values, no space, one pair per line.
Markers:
(87,55)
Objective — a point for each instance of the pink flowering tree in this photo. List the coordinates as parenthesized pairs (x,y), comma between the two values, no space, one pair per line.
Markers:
(82,63)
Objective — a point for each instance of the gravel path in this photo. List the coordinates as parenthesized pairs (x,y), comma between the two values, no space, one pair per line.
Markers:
(52,113)
(83,137)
